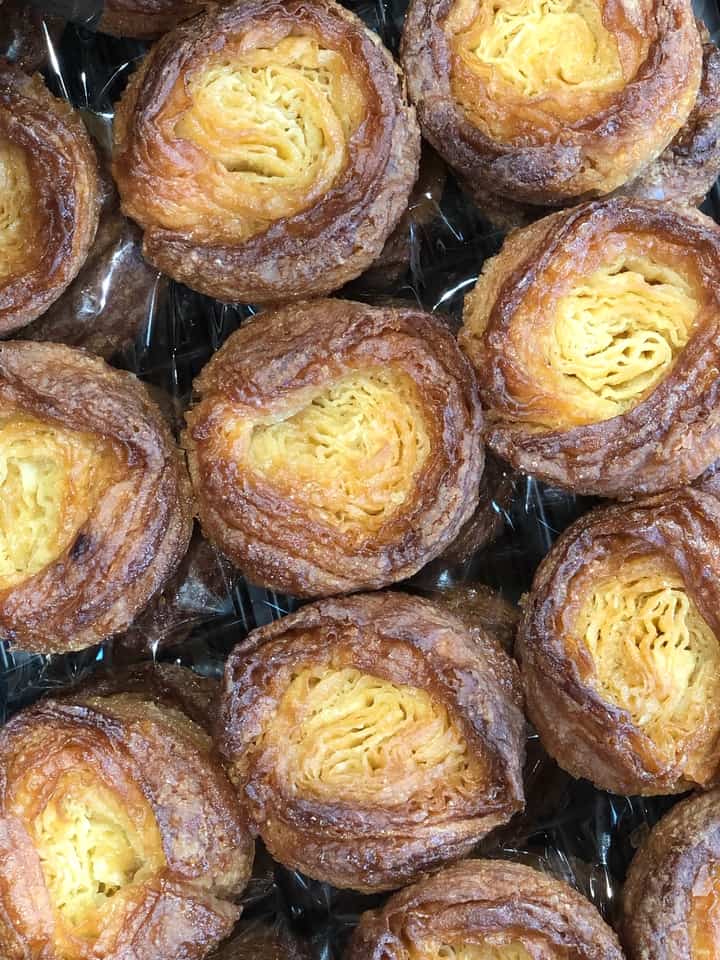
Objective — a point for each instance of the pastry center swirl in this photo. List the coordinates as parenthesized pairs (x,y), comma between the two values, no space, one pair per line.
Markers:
(17,220)
(50,479)
(653,653)
(90,849)
(353,737)
(352,454)
(473,951)
(539,46)
(276,122)
(619,333)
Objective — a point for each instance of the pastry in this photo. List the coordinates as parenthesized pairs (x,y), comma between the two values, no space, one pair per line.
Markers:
(594,335)
(619,645)
(335,446)
(485,910)
(671,899)
(267,150)
(120,835)
(259,940)
(49,197)
(372,738)
(95,502)
(479,606)
(146,18)
(551,102)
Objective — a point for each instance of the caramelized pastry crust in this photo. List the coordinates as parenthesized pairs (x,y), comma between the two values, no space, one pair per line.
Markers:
(267,150)
(335,446)
(619,645)
(95,504)
(594,334)
(372,738)
(49,197)
(485,910)
(551,101)
(120,835)
(147,18)
(671,899)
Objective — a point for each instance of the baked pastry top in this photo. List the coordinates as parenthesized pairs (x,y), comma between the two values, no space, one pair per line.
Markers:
(49,197)
(593,335)
(95,512)
(266,149)
(485,910)
(671,898)
(119,832)
(335,446)
(551,101)
(372,738)
(619,645)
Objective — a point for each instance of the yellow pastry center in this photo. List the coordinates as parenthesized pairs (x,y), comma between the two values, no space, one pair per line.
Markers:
(276,122)
(539,46)
(653,654)
(617,334)
(352,453)
(348,736)
(50,479)
(90,849)
(705,914)
(473,951)
(17,215)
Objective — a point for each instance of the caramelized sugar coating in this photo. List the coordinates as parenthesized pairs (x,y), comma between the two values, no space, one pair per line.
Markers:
(372,738)
(49,197)
(485,910)
(120,835)
(267,150)
(335,446)
(95,505)
(619,645)
(147,18)
(551,101)
(671,898)
(594,334)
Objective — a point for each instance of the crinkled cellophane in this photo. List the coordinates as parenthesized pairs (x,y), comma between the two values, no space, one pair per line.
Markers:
(571,829)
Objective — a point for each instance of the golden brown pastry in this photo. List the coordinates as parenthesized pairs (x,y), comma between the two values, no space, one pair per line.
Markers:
(372,738)
(267,150)
(95,502)
(335,446)
(120,835)
(671,899)
(146,18)
(551,101)
(262,940)
(619,645)
(49,197)
(485,910)
(594,335)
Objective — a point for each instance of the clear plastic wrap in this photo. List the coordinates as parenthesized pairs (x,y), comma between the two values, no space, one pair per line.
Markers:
(165,333)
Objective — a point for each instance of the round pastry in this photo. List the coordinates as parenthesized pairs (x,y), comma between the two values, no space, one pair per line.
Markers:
(335,446)
(267,150)
(372,738)
(120,834)
(551,101)
(95,502)
(49,197)
(619,645)
(671,899)
(485,910)
(594,334)
(146,18)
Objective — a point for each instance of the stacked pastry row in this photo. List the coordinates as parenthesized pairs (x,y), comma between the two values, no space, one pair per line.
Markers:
(370,742)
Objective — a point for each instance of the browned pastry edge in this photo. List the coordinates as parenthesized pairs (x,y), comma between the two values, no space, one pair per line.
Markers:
(671,436)
(140,529)
(657,896)
(544,174)
(313,252)
(478,898)
(266,533)
(185,908)
(586,735)
(64,173)
(407,641)
(482,610)
(145,19)
(262,940)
